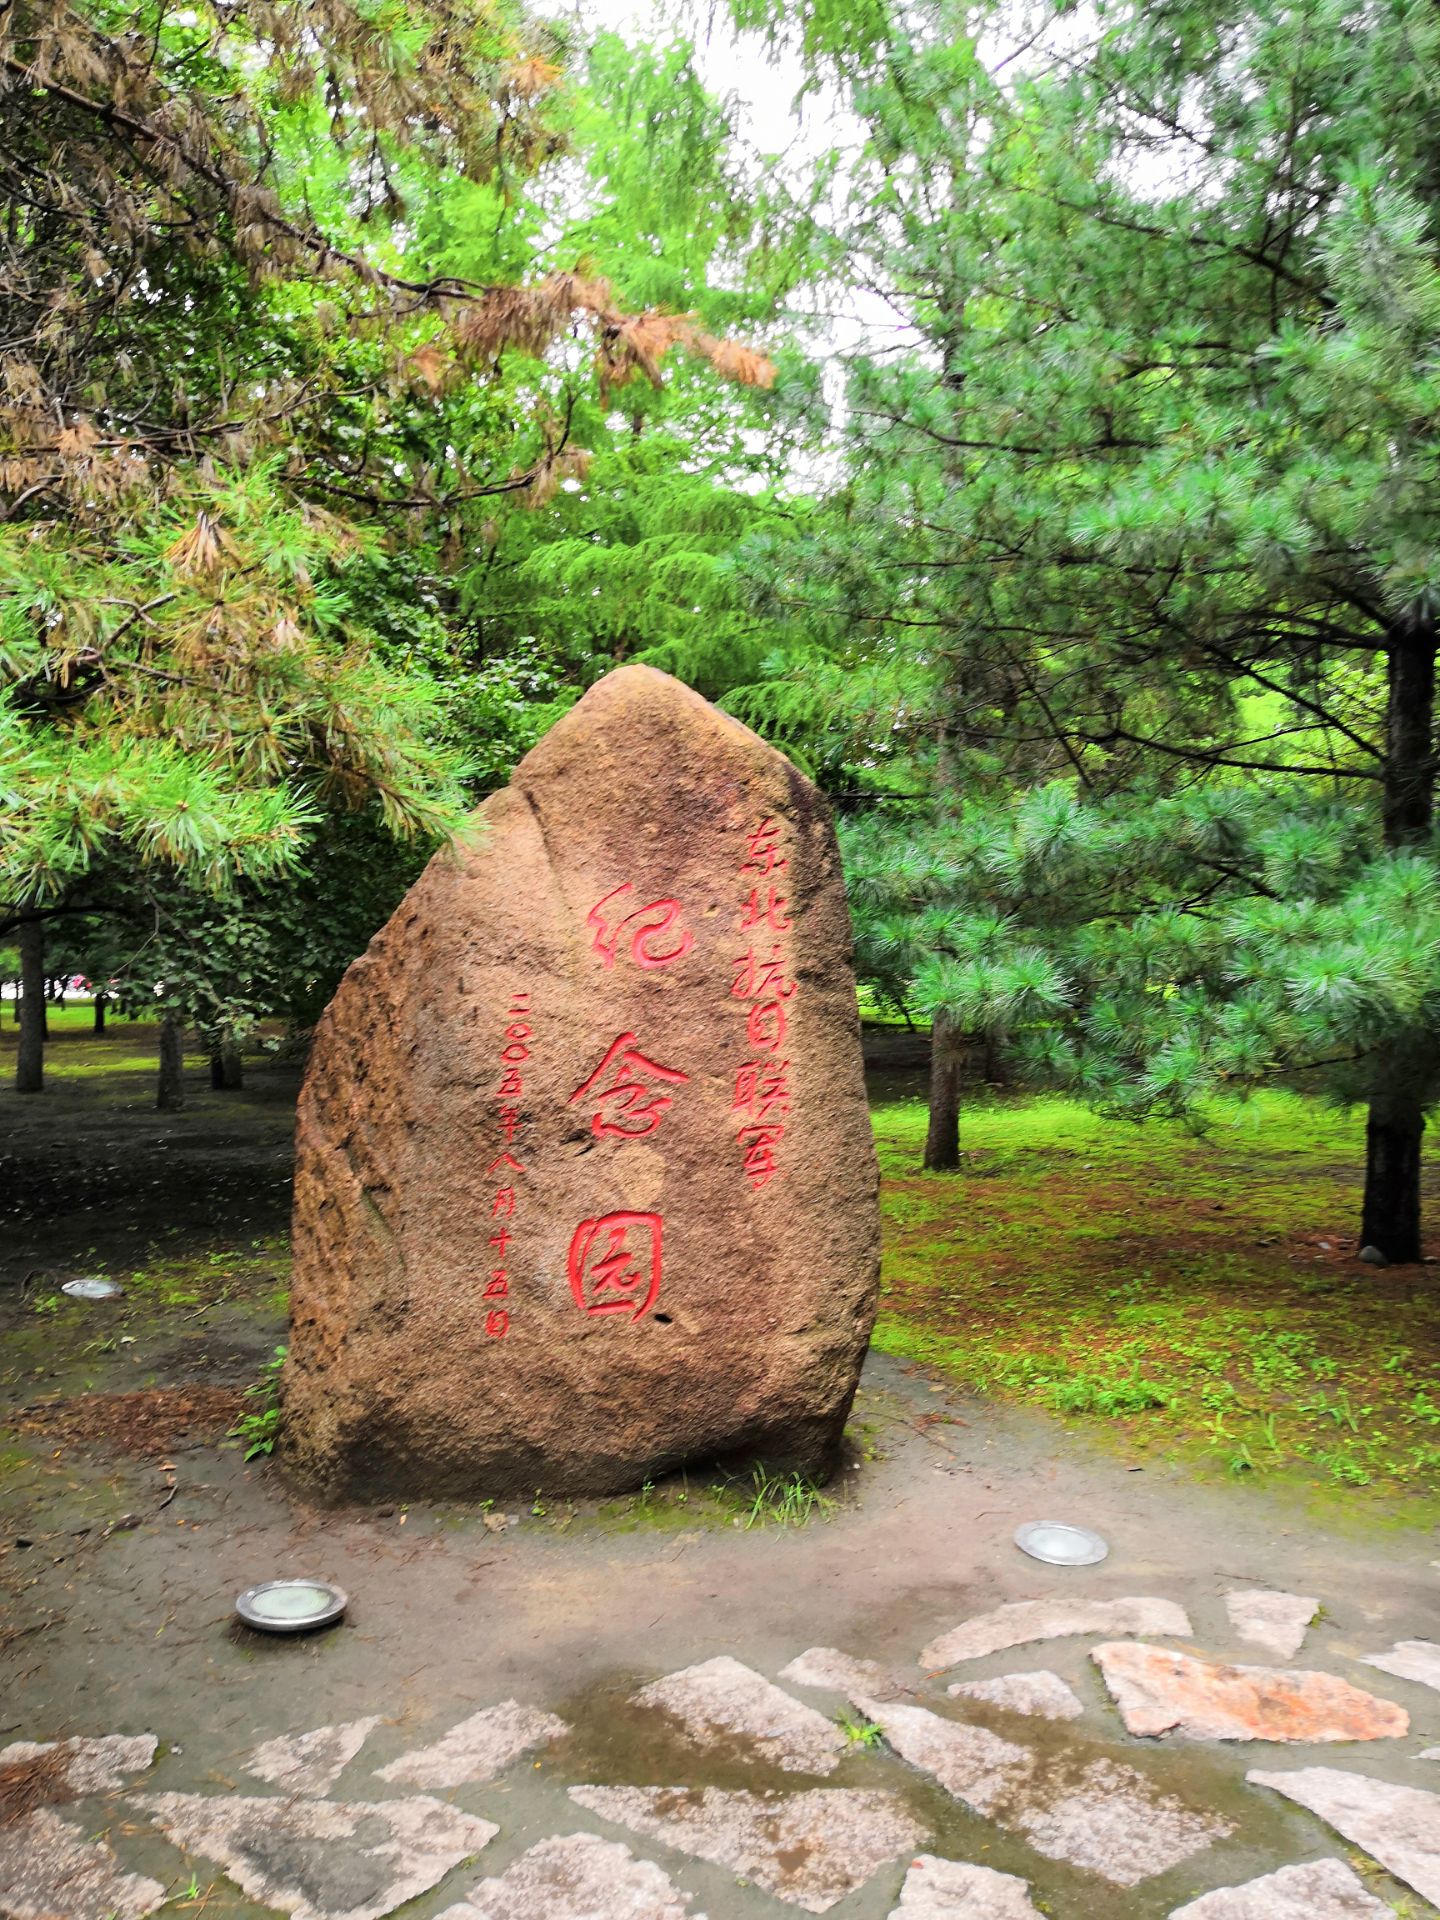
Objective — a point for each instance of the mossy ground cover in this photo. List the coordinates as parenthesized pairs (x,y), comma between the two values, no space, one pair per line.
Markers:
(1198,1295)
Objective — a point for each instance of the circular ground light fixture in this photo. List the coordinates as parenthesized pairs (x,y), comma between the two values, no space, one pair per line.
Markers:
(1059,1544)
(92,1287)
(291,1606)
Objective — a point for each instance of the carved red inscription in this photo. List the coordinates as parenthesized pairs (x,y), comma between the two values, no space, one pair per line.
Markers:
(653,937)
(762,849)
(614,1264)
(762,980)
(626,1091)
(513,1054)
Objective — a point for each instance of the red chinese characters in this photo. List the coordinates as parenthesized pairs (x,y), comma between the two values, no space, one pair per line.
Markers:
(650,932)
(614,1264)
(626,1091)
(514,1052)
(762,980)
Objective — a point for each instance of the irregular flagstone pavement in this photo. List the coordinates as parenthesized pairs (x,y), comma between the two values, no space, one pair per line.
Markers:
(576,1876)
(1321,1890)
(1024,1621)
(1275,1621)
(841,1673)
(1161,1691)
(810,1848)
(310,1762)
(1042,1694)
(1398,1826)
(721,1696)
(323,1859)
(90,1765)
(49,1869)
(938,1889)
(476,1749)
(1409,1660)
(1107,1819)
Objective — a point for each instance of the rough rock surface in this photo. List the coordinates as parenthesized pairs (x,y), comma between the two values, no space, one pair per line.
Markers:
(632,978)
(88,1763)
(49,1870)
(938,1889)
(576,1876)
(1398,1826)
(1275,1621)
(1161,1691)
(1409,1660)
(476,1749)
(1100,1816)
(310,1762)
(723,1697)
(323,1859)
(810,1849)
(841,1673)
(1320,1890)
(1041,1694)
(1023,1621)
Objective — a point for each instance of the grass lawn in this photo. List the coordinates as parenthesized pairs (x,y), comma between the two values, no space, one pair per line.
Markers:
(1200,1296)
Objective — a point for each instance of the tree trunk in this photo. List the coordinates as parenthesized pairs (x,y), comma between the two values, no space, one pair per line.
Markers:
(1390,1212)
(100,1004)
(942,1139)
(30,1057)
(227,1073)
(170,1089)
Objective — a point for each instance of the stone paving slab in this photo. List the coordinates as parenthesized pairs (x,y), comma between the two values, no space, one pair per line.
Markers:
(576,1876)
(1320,1890)
(311,1762)
(809,1849)
(476,1749)
(841,1673)
(1398,1826)
(1270,1619)
(50,1870)
(323,1859)
(1042,1695)
(1023,1621)
(1161,1691)
(1107,1819)
(971,1763)
(721,1697)
(84,1765)
(1114,1823)
(1409,1660)
(938,1889)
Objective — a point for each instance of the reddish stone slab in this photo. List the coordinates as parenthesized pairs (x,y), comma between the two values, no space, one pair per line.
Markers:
(1160,1691)
(585,1184)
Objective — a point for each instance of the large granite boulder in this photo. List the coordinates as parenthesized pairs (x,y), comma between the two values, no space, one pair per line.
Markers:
(585,1185)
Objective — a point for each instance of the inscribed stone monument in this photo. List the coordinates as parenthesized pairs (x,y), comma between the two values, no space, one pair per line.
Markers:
(585,1184)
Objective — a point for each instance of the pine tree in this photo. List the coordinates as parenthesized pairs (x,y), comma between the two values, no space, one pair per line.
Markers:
(1157,489)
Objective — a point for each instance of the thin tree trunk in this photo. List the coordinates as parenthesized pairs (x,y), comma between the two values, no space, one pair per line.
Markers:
(1390,1212)
(942,1138)
(170,1089)
(101,1001)
(227,1072)
(30,1057)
